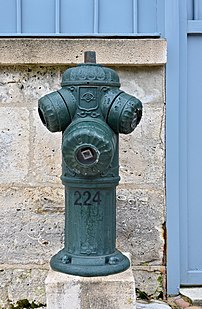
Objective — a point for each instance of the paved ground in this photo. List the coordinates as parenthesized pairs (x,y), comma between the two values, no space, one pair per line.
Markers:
(178,302)
(152,305)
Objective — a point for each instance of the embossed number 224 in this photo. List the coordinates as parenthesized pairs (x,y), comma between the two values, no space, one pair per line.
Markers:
(85,198)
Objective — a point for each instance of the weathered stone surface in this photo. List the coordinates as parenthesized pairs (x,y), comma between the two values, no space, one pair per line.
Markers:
(10,88)
(14,144)
(5,279)
(145,83)
(32,224)
(150,280)
(47,157)
(65,291)
(24,85)
(19,284)
(151,129)
(142,153)
(140,218)
(142,162)
(38,81)
(70,51)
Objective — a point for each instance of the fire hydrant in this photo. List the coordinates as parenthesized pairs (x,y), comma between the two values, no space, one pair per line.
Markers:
(91,111)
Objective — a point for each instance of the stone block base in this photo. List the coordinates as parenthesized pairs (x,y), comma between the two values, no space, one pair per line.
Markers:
(72,292)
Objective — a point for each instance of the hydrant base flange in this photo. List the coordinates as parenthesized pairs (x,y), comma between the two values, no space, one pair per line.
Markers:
(89,266)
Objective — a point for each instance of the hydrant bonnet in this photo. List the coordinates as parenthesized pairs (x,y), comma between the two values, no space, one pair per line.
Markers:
(93,74)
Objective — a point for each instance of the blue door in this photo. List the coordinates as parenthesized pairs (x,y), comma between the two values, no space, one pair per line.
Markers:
(191,152)
(81,17)
(184,142)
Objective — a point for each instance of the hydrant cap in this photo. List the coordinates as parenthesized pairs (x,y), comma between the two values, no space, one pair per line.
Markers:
(93,74)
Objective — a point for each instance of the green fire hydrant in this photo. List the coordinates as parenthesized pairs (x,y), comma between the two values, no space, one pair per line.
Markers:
(91,111)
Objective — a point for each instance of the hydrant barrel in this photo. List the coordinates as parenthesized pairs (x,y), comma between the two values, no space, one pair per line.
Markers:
(90,110)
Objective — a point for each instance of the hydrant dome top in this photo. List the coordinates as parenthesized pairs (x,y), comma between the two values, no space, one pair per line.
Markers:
(93,74)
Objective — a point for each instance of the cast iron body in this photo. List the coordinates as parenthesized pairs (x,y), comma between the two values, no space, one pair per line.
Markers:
(91,111)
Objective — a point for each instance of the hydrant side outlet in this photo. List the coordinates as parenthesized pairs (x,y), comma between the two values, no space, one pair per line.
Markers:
(91,111)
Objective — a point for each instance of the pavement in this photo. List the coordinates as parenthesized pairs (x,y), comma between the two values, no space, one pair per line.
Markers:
(152,305)
(193,293)
(177,302)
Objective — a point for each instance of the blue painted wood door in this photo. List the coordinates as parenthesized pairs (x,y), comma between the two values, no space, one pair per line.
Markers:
(183,31)
(80,17)
(191,151)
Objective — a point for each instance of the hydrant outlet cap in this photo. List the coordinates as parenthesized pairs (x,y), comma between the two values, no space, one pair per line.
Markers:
(88,147)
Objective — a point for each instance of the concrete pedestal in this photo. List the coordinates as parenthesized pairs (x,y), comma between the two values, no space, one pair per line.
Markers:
(72,292)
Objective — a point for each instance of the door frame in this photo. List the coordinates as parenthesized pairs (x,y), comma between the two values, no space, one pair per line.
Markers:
(176,81)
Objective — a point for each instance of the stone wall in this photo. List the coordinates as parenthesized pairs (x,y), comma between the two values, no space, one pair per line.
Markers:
(32,201)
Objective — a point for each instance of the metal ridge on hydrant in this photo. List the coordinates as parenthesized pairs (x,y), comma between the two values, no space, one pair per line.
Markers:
(91,111)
